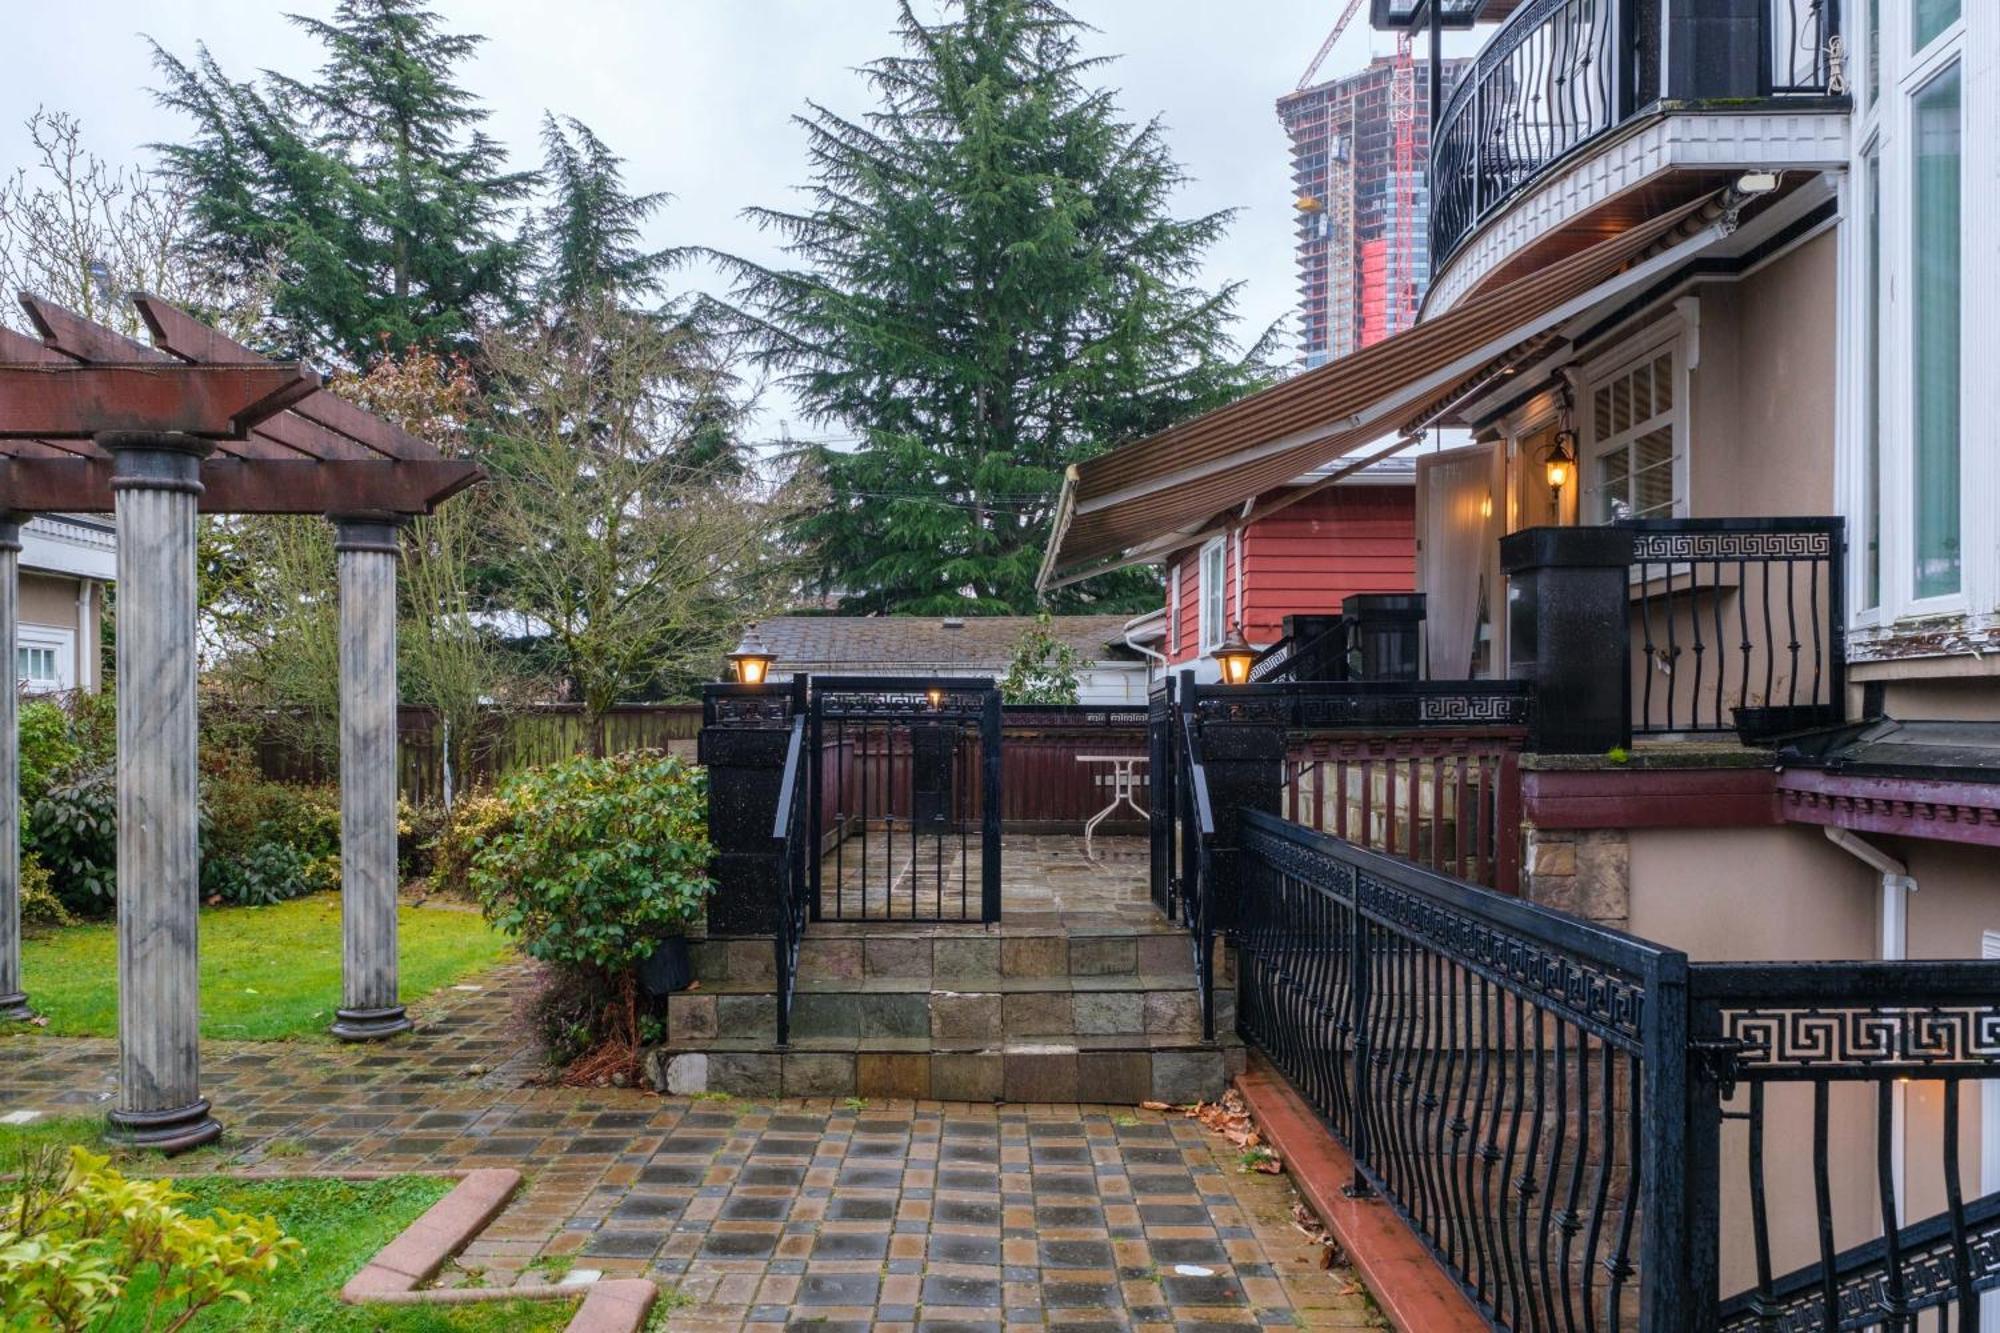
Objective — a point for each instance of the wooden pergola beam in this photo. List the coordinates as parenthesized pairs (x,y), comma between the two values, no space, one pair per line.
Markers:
(219,402)
(244,485)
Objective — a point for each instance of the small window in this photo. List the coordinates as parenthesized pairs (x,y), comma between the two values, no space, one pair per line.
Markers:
(1636,454)
(1213,584)
(43,659)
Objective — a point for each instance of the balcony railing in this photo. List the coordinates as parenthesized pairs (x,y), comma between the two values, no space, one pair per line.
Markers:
(1560,73)
(1589,1131)
(1737,625)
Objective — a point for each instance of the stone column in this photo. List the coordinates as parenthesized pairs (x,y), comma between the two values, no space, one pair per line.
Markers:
(155,480)
(368,551)
(13,1000)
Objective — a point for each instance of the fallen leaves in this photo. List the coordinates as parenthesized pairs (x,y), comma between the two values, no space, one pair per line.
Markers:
(1230,1118)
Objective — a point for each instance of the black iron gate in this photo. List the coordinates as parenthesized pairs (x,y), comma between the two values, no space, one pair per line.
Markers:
(1163,773)
(905,806)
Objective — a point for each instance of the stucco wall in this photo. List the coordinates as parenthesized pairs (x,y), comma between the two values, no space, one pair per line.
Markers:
(51,600)
(1761,425)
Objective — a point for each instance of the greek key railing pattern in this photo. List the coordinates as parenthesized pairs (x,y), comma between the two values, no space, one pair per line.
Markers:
(1589,1131)
(1327,705)
(1738,625)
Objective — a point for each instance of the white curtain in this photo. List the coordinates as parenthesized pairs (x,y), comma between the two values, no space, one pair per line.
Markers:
(1459,524)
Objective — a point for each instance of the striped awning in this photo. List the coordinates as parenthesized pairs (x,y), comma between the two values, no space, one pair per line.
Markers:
(1149,497)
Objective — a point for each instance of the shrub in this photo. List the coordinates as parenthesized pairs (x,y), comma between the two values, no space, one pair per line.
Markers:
(73,831)
(48,751)
(77,1233)
(270,872)
(595,859)
(461,832)
(566,1014)
(39,904)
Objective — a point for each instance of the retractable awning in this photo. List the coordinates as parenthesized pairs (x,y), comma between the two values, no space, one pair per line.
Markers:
(1145,498)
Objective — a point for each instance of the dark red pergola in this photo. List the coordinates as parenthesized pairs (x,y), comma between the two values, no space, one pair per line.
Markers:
(282,443)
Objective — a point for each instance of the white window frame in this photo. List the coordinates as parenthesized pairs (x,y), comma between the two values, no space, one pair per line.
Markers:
(1647,346)
(61,643)
(1213,583)
(1885,127)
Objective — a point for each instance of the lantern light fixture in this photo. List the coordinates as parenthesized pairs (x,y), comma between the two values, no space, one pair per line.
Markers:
(1233,656)
(751,658)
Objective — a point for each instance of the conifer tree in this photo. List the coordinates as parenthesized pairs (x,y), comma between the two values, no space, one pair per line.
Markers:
(988,284)
(367,199)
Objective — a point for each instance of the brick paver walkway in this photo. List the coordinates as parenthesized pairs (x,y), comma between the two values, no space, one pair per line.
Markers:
(795,1214)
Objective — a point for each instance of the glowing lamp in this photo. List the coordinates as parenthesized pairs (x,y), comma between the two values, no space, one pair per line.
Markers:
(1559,463)
(1233,656)
(751,659)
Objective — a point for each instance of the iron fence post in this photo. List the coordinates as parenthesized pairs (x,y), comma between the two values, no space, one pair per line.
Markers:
(989,858)
(815,799)
(1362,990)
(1666,1176)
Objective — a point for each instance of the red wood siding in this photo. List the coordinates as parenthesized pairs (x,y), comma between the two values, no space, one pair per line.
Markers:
(1306,559)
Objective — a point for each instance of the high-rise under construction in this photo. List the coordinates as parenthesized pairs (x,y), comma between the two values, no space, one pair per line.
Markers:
(1360,156)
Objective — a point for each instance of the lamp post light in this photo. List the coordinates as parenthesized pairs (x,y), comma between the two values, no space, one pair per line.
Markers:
(751,658)
(1233,656)
(1558,464)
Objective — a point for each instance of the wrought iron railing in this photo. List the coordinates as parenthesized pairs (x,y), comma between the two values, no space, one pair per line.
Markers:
(1737,624)
(791,839)
(1197,886)
(1589,1131)
(1333,705)
(1560,73)
(1447,799)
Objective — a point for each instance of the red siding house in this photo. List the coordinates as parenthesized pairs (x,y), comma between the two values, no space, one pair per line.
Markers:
(1303,558)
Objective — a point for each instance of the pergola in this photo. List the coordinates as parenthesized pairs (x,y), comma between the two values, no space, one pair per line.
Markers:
(93,421)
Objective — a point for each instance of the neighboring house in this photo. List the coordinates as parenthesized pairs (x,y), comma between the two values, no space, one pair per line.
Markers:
(1109,669)
(1301,550)
(67,562)
(1721,270)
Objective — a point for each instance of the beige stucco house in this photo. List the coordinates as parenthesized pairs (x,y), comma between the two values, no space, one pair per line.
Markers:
(68,563)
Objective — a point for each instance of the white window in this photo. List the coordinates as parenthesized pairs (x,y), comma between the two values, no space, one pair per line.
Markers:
(1636,459)
(1919,194)
(45,658)
(1214,572)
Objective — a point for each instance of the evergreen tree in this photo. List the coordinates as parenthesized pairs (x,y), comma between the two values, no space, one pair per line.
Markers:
(987,286)
(367,199)
(590,229)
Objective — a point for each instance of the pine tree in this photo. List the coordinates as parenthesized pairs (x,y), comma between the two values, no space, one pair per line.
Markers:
(988,286)
(589,231)
(368,199)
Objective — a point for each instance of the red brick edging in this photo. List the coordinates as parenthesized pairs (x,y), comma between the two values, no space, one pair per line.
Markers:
(1399,1273)
(399,1269)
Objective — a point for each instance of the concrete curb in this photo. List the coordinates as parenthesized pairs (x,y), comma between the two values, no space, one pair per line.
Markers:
(1398,1271)
(395,1276)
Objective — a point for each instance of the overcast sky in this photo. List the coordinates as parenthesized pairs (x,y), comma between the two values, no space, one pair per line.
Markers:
(697,95)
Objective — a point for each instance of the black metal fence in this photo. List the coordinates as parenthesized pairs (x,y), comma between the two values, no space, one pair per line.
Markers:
(791,837)
(1560,73)
(1737,624)
(1590,1132)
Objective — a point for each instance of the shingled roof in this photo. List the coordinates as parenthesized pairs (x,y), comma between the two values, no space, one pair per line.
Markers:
(919,644)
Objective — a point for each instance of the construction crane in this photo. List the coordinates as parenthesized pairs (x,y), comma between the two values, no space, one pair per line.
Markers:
(1326,47)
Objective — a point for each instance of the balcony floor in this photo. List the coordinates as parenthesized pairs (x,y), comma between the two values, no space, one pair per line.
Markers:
(1046,881)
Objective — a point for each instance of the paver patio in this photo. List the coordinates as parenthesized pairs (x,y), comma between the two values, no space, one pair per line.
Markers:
(767,1215)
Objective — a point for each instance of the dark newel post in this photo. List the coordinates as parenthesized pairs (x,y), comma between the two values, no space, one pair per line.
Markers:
(1681,1173)
(1717,49)
(13,1000)
(155,483)
(1243,751)
(1568,635)
(745,731)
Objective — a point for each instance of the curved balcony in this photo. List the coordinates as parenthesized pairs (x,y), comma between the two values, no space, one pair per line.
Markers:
(1560,74)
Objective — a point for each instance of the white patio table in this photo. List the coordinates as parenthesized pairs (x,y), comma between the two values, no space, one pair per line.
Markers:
(1125,781)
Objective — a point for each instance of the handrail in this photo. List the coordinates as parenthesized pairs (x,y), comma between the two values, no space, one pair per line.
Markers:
(789,837)
(1198,888)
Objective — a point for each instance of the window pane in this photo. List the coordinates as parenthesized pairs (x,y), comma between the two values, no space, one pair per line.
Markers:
(1871,386)
(1935,318)
(1653,474)
(1931,18)
(1614,482)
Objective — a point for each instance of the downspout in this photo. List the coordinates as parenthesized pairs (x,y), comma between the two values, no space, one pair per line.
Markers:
(1897,886)
(1126,634)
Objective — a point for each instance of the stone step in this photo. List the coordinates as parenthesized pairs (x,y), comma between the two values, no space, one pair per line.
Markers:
(966,1016)
(957,958)
(1023,1071)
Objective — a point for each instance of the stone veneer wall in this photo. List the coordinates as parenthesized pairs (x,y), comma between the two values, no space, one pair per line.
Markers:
(1586,872)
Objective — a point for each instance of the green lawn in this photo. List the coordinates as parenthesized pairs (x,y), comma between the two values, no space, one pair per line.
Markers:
(341,1223)
(266,972)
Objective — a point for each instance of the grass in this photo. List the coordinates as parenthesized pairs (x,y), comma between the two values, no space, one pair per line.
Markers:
(341,1223)
(267,973)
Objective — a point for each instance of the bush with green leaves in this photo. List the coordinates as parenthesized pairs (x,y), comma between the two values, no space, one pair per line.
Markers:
(39,904)
(594,859)
(48,749)
(270,872)
(461,831)
(73,831)
(75,1234)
